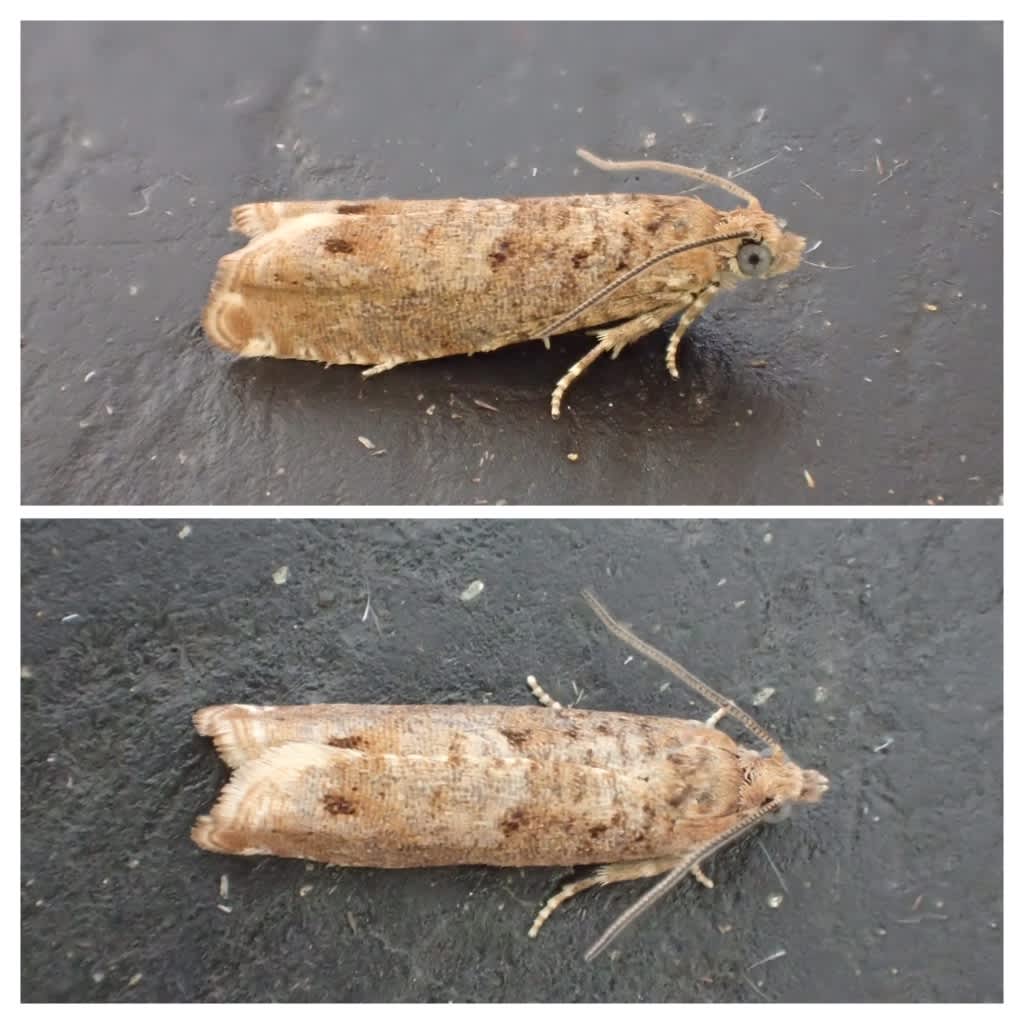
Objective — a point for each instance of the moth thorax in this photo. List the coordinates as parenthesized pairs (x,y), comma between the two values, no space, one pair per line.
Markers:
(773,777)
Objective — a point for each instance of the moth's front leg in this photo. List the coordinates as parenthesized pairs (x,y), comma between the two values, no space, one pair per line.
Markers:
(612,340)
(695,309)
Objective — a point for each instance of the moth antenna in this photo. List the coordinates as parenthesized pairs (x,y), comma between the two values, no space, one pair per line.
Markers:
(602,293)
(686,172)
(676,875)
(673,667)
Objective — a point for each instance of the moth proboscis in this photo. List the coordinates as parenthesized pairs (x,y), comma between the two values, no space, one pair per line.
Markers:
(401,786)
(382,282)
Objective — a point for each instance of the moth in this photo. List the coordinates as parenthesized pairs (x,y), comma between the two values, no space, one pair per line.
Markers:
(404,786)
(383,282)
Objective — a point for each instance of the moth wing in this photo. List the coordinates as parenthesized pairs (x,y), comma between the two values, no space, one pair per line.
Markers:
(345,807)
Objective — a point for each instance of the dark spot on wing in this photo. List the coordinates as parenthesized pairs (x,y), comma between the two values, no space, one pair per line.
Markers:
(517,737)
(335,803)
(347,742)
(336,246)
(513,821)
(500,253)
(597,830)
(655,222)
(579,258)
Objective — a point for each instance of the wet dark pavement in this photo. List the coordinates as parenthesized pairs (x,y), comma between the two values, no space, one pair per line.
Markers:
(879,383)
(881,642)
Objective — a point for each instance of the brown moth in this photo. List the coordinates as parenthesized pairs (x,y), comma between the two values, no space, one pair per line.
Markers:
(403,786)
(391,281)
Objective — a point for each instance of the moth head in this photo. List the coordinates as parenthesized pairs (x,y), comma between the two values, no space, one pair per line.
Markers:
(771,776)
(766,251)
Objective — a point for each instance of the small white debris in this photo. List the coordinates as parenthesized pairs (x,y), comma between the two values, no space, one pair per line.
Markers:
(185,531)
(722,582)
(134,980)
(133,289)
(98,976)
(573,456)
(768,538)
(223,909)
(688,117)
(759,114)
(281,575)
(650,139)
(73,617)
(472,592)
(809,479)
(26,671)
(366,443)
(305,890)
(930,307)
(763,695)
(738,604)
(533,172)
(89,376)
(768,959)
(223,887)
(775,900)
(820,695)
(884,745)
(133,863)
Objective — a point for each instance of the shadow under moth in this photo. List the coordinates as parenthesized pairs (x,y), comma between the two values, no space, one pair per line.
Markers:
(382,282)
(411,786)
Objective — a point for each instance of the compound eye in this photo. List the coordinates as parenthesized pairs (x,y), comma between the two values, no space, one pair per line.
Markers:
(754,259)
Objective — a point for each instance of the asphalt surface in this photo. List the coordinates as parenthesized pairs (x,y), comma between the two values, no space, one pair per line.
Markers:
(880,382)
(882,642)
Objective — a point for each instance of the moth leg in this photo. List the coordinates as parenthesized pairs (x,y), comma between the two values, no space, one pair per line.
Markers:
(639,327)
(542,695)
(612,340)
(701,877)
(716,717)
(370,371)
(605,875)
(693,311)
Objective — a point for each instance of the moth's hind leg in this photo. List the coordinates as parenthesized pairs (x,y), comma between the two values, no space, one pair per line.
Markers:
(693,311)
(605,875)
(612,340)
(542,695)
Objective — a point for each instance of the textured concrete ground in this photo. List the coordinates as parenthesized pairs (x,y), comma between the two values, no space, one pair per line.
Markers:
(882,643)
(882,380)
